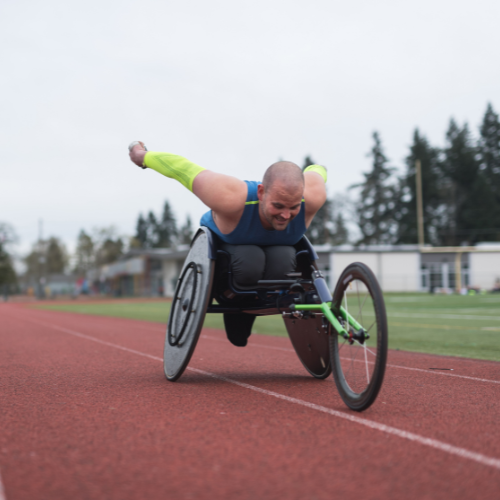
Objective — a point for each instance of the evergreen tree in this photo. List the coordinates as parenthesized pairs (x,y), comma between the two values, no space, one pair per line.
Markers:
(84,254)
(489,147)
(47,257)
(56,257)
(320,230)
(108,247)
(111,250)
(376,205)
(166,228)
(471,200)
(186,232)
(489,152)
(432,185)
(152,236)
(7,273)
(141,231)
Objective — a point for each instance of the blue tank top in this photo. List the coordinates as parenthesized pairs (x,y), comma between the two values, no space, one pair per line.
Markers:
(250,231)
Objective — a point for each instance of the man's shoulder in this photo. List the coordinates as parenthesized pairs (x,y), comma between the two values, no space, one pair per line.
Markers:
(252,190)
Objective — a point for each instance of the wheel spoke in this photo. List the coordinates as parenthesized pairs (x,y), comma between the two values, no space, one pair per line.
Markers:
(359,373)
(362,345)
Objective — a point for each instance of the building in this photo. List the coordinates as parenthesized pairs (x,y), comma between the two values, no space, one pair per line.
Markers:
(399,268)
(143,273)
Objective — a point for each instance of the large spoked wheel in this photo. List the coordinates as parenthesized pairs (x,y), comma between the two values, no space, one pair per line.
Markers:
(359,361)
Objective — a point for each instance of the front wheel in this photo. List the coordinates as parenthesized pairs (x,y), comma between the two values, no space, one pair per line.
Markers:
(359,361)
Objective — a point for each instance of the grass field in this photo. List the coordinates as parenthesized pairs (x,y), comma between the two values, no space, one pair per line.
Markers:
(467,326)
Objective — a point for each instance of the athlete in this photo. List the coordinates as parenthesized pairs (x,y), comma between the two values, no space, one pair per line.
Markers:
(258,222)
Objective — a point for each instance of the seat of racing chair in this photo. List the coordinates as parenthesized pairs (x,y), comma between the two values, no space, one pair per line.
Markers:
(238,325)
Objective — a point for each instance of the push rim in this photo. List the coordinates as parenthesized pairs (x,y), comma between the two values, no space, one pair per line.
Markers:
(186,303)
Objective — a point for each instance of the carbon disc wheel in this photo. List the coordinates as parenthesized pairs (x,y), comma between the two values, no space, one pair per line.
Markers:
(189,306)
(359,361)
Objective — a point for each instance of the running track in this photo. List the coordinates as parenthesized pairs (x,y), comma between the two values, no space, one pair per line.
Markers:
(86,413)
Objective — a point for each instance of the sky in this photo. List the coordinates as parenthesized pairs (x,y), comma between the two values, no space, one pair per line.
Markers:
(232,85)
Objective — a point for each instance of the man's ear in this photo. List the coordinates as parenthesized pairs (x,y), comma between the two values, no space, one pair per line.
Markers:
(260,192)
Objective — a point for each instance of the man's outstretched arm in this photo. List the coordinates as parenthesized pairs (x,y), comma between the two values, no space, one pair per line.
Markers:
(224,194)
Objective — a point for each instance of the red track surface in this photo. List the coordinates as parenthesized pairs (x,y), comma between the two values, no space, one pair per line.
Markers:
(86,419)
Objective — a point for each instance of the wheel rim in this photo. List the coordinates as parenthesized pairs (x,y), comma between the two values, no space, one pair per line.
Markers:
(183,306)
(357,355)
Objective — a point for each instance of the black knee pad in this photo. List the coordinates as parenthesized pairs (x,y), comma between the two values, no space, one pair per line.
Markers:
(247,263)
(280,260)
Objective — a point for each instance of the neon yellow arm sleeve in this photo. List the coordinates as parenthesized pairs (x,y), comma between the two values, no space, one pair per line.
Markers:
(318,169)
(173,166)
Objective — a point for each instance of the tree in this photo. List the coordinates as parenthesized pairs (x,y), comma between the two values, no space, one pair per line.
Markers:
(320,230)
(154,233)
(376,205)
(56,256)
(151,230)
(186,232)
(7,235)
(46,257)
(432,195)
(84,254)
(166,228)
(489,147)
(471,200)
(141,231)
(110,251)
(108,246)
(489,154)
(7,273)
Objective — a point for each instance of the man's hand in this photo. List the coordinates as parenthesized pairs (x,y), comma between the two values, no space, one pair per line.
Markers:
(137,153)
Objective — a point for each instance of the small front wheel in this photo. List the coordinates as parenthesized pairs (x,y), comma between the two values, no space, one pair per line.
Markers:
(359,360)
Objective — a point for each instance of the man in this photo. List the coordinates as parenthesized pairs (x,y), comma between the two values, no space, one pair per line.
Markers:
(258,222)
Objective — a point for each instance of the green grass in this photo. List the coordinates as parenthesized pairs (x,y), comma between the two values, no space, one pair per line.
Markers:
(467,326)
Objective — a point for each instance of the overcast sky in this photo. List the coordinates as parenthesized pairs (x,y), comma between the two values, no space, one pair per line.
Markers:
(231,85)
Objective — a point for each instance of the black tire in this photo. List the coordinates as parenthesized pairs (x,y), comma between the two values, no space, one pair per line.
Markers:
(358,364)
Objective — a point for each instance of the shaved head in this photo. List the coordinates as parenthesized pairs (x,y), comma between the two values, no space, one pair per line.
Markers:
(286,173)
(280,195)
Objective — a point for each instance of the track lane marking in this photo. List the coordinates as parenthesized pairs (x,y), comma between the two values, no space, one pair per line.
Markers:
(476,379)
(3,496)
(388,364)
(410,436)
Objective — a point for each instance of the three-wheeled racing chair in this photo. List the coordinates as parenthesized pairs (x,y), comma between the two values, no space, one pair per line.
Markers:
(345,333)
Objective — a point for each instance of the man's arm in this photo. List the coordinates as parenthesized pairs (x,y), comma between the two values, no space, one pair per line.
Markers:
(314,191)
(223,194)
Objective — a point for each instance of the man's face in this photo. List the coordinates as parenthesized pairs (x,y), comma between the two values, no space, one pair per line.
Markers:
(279,204)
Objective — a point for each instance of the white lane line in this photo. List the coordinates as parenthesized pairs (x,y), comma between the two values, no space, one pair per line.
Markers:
(433,443)
(442,316)
(476,379)
(3,496)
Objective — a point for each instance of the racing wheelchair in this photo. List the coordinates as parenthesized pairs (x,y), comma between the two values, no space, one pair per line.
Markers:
(345,333)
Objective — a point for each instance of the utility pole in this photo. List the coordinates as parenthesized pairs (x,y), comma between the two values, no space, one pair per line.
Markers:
(420,208)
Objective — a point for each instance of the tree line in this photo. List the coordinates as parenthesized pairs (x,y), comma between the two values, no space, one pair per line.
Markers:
(460,189)
(103,245)
(461,205)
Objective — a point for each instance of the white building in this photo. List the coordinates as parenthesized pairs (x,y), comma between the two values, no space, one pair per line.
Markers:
(398,268)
